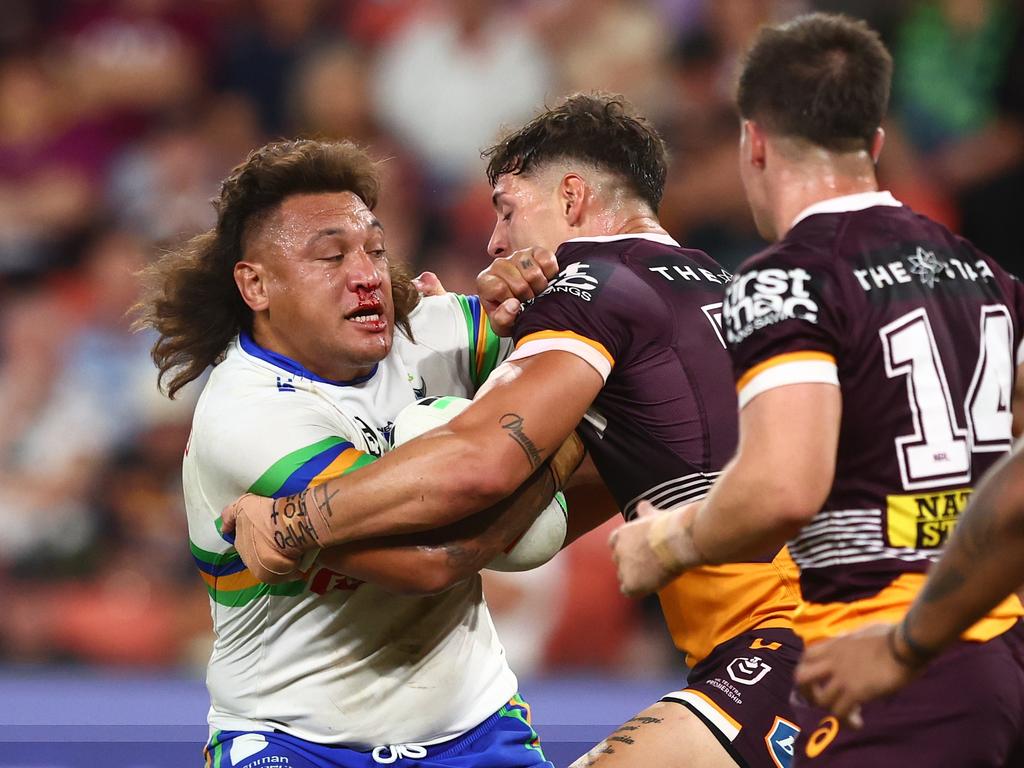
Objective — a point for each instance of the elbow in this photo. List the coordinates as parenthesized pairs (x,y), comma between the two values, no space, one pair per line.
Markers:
(791,508)
(482,480)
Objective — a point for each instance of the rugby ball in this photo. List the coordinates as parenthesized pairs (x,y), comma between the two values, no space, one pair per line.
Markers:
(538,543)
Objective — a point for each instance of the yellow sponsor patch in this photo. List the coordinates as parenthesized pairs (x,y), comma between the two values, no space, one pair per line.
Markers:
(925,520)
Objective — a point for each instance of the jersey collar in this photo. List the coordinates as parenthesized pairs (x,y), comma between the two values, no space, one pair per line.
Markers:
(249,346)
(652,236)
(848,203)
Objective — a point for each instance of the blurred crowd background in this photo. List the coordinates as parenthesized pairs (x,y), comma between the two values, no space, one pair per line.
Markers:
(118,118)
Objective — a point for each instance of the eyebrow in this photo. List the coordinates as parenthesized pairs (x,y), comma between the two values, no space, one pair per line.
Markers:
(494,197)
(332,231)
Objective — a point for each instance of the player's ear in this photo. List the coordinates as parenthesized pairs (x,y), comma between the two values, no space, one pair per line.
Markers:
(877,142)
(572,192)
(250,279)
(752,144)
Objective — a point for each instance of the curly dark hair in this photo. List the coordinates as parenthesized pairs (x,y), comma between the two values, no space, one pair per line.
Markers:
(821,77)
(189,294)
(601,129)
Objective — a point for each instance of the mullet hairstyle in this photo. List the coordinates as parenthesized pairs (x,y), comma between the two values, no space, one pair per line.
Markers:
(821,77)
(190,297)
(600,129)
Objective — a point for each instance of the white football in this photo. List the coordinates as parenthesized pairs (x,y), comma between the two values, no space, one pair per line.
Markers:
(542,540)
(423,415)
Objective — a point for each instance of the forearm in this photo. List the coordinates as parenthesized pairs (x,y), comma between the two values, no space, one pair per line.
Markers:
(523,418)
(425,484)
(433,560)
(982,564)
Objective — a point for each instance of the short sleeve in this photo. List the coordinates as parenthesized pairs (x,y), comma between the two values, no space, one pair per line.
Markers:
(291,446)
(584,312)
(465,350)
(779,325)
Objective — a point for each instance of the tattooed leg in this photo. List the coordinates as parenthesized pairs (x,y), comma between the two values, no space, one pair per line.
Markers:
(666,735)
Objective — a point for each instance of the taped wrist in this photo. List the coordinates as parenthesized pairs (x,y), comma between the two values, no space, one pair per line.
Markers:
(566,460)
(672,543)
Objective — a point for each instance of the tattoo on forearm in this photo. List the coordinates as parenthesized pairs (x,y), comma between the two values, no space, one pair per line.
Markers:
(974,536)
(513,422)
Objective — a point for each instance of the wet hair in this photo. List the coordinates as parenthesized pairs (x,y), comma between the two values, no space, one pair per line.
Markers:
(820,77)
(190,297)
(599,129)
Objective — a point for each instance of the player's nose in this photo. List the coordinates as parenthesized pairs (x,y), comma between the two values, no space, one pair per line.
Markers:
(498,244)
(363,272)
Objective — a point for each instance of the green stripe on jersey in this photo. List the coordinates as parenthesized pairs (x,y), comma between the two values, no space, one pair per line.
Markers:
(271,480)
(484,345)
(239,597)
(213,558)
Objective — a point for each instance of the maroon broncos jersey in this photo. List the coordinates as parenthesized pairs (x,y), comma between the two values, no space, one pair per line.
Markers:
(922,333)
(646,314)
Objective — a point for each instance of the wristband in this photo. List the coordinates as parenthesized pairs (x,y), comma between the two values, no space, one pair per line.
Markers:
(918,657)
(922,654)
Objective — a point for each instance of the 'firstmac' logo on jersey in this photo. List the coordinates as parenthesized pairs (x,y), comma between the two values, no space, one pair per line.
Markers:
(763,297)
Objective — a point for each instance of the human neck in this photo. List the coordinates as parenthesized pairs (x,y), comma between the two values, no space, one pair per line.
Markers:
(799,185)
(613,220)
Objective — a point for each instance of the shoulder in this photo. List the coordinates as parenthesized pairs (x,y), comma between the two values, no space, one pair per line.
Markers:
(248,415)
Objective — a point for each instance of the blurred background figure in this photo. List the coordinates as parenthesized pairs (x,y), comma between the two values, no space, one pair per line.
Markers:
(117,118)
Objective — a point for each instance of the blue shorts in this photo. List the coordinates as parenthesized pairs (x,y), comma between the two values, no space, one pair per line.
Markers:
(504,740)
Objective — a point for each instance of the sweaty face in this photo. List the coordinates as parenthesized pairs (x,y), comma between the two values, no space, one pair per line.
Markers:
(529,212)
(328,290)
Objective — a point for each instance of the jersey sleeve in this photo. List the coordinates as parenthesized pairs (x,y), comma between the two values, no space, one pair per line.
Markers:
(779,324)
(455,328)
(588,310)
(284,451)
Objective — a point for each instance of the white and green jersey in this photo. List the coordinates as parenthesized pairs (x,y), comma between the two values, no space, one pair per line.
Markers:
(329,659)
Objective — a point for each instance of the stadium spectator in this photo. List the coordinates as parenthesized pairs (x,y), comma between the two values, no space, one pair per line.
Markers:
(467,50)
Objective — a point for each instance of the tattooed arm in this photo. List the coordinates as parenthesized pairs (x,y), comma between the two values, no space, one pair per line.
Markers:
(527,410)
(432,561)
(983,563)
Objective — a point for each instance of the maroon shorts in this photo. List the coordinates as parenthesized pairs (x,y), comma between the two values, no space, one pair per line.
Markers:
(967,709)
(741,691)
